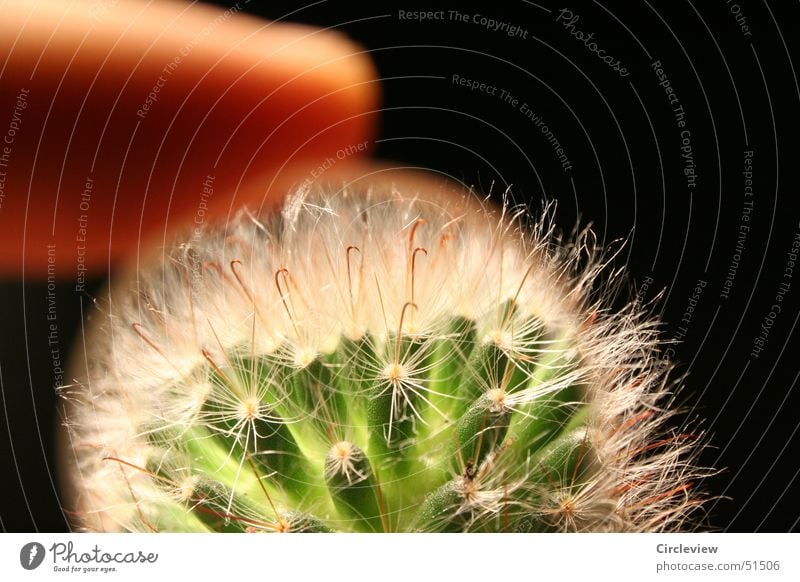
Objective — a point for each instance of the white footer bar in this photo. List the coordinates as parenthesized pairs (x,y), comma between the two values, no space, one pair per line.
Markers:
(410,558)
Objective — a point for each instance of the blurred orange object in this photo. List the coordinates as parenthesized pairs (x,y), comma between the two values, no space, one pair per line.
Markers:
(120,120)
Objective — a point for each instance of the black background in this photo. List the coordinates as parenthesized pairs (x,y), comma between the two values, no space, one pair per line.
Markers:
(739,92)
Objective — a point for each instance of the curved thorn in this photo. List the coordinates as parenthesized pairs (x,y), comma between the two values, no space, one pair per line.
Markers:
(285,272)
(413,266)
(400,330)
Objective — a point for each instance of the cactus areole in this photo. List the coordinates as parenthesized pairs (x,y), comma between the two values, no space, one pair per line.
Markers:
(375,361)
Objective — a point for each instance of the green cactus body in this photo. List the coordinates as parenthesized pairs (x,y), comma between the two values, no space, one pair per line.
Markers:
(373,364)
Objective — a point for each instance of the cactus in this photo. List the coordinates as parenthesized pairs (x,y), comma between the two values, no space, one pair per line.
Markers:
(376,362)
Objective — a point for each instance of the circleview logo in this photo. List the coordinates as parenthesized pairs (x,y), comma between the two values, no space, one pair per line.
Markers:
(31,555)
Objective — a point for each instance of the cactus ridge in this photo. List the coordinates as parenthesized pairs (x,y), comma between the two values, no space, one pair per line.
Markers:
(377,363)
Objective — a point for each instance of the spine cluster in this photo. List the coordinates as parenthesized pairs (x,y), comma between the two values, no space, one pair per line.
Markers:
(376,361)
